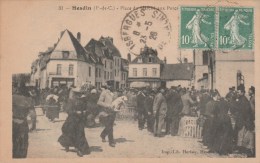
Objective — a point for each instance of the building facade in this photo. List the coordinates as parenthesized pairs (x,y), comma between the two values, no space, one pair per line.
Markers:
(224,69)
(145,69)
(110,58)
(66,63)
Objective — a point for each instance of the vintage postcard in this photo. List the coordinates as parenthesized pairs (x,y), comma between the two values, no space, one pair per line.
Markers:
(129,81)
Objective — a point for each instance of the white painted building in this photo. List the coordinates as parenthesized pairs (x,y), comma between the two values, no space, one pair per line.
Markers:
(67,63)
(145,69)
(224,69)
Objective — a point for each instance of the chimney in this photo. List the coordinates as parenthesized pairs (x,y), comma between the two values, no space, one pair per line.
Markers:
(78,36)
(165,60)
(129,57)
(110,38)
(185,60)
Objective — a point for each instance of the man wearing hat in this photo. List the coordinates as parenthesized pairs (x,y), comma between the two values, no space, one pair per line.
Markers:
(174,107)
(105,102)
(244,117)
(141,110)
(159,110)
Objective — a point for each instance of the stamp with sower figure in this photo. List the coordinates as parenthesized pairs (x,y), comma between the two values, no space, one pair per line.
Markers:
(197,28)
(235,28)
(145,26)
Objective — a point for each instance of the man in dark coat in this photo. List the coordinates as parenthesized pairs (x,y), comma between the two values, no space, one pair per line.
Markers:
(208,131)
(222,143)
(21,103)
(141,110)
(244,118)
(204,99)
(174,107)
(148,104)
(73,134)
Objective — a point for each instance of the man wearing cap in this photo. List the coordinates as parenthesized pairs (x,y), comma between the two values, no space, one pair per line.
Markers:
(105,102)
(159,110)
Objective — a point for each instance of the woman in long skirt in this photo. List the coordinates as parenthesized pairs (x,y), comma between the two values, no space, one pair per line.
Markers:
(73,134)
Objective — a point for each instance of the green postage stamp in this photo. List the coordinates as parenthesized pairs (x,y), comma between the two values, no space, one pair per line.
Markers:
(197,28)
(235,28)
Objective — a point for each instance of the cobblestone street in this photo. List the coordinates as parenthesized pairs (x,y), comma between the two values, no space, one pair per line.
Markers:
(130,142)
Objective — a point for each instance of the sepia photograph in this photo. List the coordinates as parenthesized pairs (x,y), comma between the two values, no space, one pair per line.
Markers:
(129,80)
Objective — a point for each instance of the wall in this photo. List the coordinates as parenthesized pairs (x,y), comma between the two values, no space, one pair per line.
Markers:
(140,70)
(226,75)
(83,73)
(108,69)
(51,69)
(227,65)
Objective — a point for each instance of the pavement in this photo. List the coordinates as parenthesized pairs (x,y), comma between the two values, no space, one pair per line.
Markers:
(130,142)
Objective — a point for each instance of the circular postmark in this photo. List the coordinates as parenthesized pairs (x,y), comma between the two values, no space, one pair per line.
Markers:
(145,26)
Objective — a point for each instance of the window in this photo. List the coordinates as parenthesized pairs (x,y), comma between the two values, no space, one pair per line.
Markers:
(115,72)
(96,72)
(89,71)
(150,60)
(71,70)
(205,58)
(139,60)
(134,71)
(65,54)
(111,65)
(154,72)
(105,75)
(99,73)
(105,64)
(110,75)
(144,71)
(205,75)
(58,69)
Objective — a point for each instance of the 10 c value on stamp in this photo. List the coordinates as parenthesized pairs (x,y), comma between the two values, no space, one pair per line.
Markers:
(199,25)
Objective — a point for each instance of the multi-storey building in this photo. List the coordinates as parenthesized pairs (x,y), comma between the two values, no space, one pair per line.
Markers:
(110,57)
(145,69)
(67,63)
(224,69)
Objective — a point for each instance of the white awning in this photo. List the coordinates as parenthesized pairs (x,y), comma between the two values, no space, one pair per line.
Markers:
(139,84)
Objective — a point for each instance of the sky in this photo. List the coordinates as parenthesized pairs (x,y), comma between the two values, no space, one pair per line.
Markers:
(31,27)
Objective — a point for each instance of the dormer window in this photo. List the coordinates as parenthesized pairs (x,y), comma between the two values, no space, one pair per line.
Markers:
(65,54)
(139,60)
(150,59)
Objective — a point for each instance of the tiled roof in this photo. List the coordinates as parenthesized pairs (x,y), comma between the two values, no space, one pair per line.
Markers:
(147,53)
(99,49)
(181,71)
(82,54)
(109,44)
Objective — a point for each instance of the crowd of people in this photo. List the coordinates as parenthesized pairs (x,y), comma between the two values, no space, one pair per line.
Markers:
(227,122)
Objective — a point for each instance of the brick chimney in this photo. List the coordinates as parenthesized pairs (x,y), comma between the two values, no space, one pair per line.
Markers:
(185,60)
(78,36)
(129,57)
(165,60)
